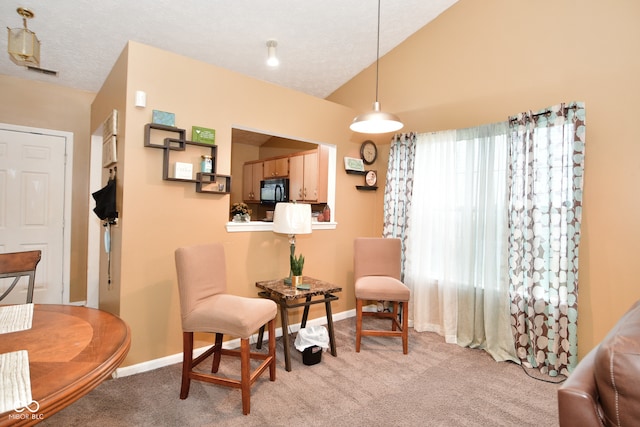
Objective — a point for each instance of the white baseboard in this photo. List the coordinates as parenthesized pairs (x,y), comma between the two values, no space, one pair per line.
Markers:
(177,358)
(78,303)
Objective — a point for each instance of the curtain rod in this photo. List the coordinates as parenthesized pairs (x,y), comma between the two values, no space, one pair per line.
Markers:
(546,112)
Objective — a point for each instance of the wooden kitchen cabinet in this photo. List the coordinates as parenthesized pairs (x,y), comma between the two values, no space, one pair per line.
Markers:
(308,176)
(307,171)
(276,168)
(252,174)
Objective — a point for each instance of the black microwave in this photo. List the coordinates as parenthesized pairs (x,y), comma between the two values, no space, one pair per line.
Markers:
(273,191)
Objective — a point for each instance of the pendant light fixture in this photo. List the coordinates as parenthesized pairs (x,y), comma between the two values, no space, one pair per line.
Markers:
(272,58)
(24,46)
(376,121)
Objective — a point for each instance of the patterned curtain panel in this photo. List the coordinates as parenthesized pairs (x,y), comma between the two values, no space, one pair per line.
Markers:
(399,187)
(546,162)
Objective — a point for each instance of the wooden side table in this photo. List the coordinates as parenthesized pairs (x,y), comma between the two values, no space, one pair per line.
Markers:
(286,297)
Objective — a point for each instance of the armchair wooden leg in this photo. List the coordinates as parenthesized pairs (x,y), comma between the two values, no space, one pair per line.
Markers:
(217,353)
(358,323)
(245,375)
(187,359)
(405,327)
(395,315)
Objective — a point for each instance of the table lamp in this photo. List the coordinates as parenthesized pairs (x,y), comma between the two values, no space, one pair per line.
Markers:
(292,219)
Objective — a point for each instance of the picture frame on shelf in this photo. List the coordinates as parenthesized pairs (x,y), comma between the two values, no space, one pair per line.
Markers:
(203,135)
(163,118)
(183,170)
(353,165)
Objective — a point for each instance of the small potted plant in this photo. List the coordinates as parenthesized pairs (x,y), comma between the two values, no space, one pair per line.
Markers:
(240,212)
(296,269)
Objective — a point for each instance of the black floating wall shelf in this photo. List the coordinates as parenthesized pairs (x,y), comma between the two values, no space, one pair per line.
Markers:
(205,182)
(352,172)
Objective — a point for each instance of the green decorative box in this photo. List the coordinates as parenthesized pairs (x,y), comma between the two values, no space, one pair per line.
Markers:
(204,135)
(163,118)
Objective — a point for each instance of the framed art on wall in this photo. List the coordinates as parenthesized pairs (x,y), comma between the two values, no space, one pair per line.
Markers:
(109,154)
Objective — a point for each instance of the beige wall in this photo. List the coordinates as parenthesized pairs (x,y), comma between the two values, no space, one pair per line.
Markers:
(158,216)
(48,106)
(477,63)
(480,62)
(112,95)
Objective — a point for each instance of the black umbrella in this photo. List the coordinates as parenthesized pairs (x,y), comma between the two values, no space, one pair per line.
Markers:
(106,210)
(106,201)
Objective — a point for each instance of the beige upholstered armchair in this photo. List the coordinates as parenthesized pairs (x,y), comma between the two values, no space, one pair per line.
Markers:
(205,306)
(377,267)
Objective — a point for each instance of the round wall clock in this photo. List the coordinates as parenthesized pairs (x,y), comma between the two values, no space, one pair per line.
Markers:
(368,152)
(371,178)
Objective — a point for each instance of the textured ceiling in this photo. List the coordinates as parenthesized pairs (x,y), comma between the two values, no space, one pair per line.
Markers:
(321,44)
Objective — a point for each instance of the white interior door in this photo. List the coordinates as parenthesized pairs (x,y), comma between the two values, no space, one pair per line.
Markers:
(32,209)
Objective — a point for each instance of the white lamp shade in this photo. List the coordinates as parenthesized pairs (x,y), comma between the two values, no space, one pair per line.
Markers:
(376,121)
(292,218)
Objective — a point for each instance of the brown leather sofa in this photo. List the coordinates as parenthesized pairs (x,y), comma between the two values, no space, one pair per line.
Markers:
(604,389)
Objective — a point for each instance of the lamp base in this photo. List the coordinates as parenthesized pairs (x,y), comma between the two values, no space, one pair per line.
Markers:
(287,281)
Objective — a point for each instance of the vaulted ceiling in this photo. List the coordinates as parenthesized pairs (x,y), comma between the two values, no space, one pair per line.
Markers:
(321,44)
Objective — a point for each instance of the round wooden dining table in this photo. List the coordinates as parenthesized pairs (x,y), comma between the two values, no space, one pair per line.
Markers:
(71,350)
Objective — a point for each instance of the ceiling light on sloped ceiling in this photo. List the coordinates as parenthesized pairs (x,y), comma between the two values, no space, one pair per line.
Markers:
(376,121)
(24,46)
(272,58)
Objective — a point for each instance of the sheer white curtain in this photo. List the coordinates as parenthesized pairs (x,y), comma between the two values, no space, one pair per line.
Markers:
(430,269)
(456,267)
(483,303)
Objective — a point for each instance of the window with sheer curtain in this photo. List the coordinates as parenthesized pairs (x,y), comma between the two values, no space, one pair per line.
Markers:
(485,254)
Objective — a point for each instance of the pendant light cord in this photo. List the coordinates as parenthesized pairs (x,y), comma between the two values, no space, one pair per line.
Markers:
(378,52)
(376,121)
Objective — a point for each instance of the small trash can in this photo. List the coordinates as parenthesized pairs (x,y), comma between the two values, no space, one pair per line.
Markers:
(312,355)
(311,341)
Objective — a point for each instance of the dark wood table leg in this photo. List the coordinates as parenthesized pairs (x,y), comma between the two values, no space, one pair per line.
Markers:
(284,306)
(284,317)
(305,313)
(332,338)
(260,336)
(261,331)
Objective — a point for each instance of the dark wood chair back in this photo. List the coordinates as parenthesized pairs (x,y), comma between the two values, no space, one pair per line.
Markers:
(17,265)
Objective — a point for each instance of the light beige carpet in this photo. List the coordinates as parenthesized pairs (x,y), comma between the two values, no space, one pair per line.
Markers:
(436,384)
